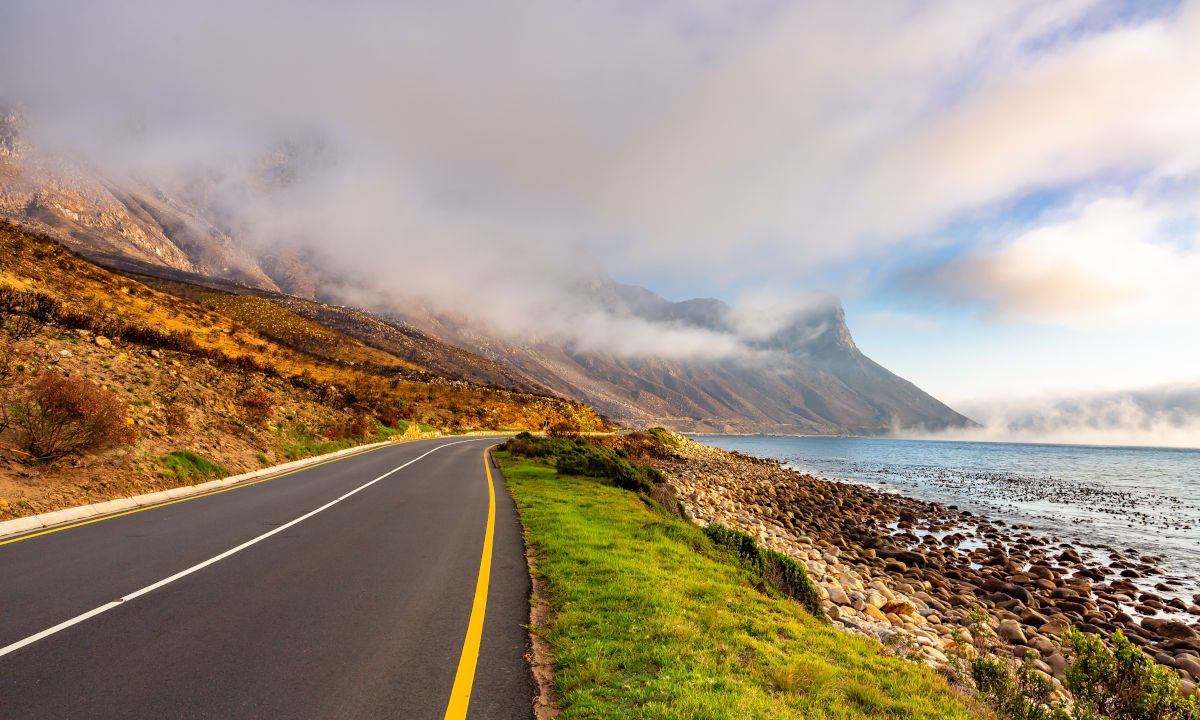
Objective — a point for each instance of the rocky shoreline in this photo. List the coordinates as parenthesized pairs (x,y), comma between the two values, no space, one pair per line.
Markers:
(901,569)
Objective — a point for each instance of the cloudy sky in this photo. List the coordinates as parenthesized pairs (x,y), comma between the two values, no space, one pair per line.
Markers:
(1005,195)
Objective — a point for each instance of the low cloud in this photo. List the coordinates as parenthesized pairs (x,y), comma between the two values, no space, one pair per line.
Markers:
(1161,417)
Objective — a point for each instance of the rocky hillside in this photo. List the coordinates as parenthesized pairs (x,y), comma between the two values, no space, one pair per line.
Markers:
(109,387)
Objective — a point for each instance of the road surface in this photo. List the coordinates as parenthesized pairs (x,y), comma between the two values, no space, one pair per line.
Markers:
(344,590)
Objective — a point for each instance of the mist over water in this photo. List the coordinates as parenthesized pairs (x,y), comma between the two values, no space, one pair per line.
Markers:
(1165,417)
(1146,499)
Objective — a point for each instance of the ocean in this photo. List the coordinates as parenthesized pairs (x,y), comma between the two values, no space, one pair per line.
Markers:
(1144,499)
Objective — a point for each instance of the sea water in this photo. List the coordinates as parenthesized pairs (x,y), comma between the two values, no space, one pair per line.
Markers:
(1125,498)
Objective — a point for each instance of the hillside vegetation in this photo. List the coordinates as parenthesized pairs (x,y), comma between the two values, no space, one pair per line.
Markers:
(237,382)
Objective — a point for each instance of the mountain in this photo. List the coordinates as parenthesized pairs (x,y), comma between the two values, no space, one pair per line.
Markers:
(808,377)
(805,376)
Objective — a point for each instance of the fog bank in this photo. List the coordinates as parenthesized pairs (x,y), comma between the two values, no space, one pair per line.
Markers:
(1158,417)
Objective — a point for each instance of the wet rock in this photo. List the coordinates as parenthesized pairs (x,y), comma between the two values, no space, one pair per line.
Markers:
(1069,555)
(1169,629)
(1010,589)
(908,557)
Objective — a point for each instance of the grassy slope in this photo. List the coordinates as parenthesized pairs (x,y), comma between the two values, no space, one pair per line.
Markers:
(653,622)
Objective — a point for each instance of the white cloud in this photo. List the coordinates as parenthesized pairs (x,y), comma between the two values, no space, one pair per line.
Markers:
(793,134)
(1116,259)
(477,150)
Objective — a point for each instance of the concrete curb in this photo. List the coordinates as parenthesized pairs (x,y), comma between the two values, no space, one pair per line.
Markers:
(83,512)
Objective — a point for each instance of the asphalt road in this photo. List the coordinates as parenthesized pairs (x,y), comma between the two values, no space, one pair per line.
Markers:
(359,610)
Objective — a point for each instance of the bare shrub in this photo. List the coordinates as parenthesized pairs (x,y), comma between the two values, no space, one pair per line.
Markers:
(661,493)
(257,405)
(351,428)
(56,416)
(176,418)
(389,415)
(563,429)
(246,363)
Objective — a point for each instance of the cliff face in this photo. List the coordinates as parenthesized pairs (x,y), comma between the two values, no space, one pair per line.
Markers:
(805,377)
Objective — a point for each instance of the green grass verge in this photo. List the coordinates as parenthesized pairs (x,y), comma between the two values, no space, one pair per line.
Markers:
(402,425)
(186,466)
(300,442)
(652,620)
(296,451)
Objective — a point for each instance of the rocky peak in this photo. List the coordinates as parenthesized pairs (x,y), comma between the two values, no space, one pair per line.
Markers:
(820,331)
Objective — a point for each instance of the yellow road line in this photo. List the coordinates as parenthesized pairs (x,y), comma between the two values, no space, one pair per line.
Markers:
(189,497)
(460,694)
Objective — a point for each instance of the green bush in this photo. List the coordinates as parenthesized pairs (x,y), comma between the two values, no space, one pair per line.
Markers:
(664,436)
(578,456)
(1018,694)
(741,544)
(602,462)
(792,580)
(1121,683)
(780,571)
